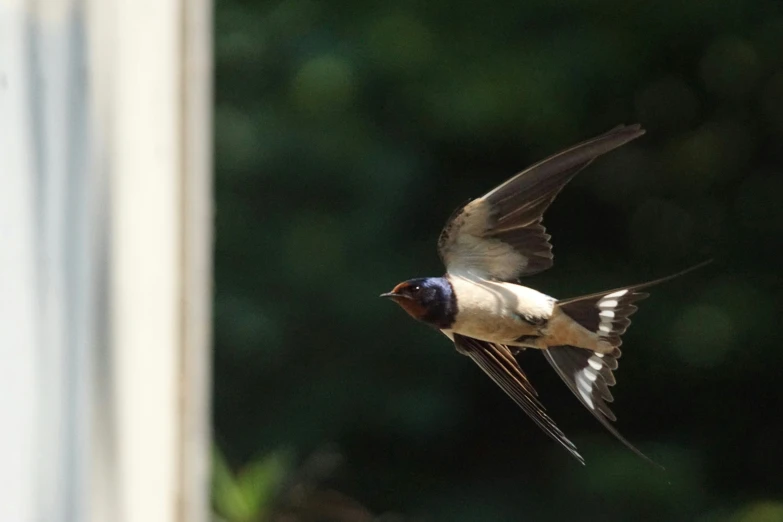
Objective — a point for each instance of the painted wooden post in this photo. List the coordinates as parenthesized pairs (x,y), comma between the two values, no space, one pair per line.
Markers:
(105,214)
(20,384)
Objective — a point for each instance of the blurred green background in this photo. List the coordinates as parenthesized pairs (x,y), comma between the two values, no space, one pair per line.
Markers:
(346,132)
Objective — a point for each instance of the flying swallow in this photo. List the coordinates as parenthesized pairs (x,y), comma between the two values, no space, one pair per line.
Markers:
(491,242)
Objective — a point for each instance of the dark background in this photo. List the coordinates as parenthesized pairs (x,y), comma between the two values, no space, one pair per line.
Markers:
(346,133)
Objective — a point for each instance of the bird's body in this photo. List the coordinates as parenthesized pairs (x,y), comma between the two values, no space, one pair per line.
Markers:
(499,312)
(487,245)
(515,315)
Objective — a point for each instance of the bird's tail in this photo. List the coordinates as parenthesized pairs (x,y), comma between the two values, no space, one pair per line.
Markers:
(589,374)
(608,313)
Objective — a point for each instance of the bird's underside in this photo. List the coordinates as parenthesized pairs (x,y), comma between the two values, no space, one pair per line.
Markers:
(518,316)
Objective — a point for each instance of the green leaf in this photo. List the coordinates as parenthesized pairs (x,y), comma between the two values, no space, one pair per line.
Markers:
(248,495)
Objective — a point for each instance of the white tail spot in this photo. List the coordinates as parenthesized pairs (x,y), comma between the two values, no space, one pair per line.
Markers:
(607,313)
(586,396)
(597,365)
(610,303)
(605,328)
(619,293)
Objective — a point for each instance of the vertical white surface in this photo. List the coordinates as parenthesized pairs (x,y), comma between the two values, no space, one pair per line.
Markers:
(196,299)
(160,186)
(18,342)
(58,113)
(145,246)
(105,214)
(103,473)
(44,140)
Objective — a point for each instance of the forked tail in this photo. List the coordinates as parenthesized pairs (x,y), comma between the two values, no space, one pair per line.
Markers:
(589,374)
(608,313)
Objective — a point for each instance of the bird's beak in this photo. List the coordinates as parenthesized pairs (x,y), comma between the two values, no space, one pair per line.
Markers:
(394,295)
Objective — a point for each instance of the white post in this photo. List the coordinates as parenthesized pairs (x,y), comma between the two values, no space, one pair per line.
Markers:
(19,342)
(159,169)
(105,214)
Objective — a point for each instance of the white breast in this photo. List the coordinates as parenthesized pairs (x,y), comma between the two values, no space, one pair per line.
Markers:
(495,311)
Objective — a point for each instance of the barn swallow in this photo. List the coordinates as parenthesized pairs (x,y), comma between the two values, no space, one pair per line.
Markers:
(486,246)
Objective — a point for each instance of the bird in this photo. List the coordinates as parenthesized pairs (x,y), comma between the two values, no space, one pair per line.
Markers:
(487,245)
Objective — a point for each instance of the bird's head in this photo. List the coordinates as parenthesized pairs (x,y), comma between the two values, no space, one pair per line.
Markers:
(428,299)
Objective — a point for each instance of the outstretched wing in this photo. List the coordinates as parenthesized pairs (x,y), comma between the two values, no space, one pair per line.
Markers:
(497,361)
(499,235)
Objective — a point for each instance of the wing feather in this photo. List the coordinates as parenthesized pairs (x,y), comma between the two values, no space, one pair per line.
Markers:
(499,235)
(497,361)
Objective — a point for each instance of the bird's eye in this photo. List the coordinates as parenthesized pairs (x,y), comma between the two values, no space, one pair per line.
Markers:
(415,289)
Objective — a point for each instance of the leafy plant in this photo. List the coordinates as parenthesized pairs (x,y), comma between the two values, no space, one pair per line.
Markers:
(249,494)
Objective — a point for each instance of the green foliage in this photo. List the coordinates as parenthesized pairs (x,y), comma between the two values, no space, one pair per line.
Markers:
(247,496)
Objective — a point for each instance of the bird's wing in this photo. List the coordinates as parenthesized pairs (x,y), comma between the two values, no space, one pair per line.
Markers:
(497,361)
(589,374)
(499,235)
